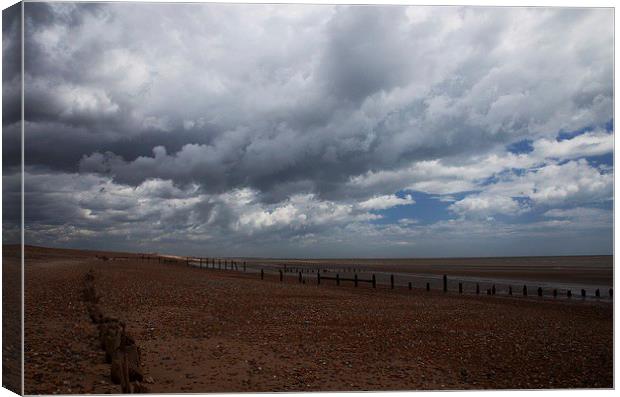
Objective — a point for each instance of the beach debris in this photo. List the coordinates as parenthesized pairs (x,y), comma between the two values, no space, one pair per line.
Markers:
(121,350)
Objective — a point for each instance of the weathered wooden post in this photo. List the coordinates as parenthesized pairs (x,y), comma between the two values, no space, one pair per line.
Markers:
(583,293)
(524,290)
(281,275)
(337,279)
(428,287)
(540,291)
(477,289)
(445,283)
(299,277)
(410,286)
(493,290)
(318,278)
(555,293)
(374,281)
(355,279)
(569,294)
(510,290)
(262,274)
(391,281)
(597,293)
(460,288)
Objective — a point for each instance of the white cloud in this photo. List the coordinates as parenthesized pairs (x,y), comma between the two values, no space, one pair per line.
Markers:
(588,144)
(385,202)
(485,205)
(573,182)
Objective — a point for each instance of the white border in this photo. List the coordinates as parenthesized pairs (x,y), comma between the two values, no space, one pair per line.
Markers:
(540,3)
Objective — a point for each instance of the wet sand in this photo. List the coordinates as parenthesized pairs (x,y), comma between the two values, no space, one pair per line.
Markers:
(213,331)
(580,270)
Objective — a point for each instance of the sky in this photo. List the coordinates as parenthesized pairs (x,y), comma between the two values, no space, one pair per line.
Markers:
(316,131)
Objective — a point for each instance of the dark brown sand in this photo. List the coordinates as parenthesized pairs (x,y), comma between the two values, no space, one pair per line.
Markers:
(11,318)
(215,331)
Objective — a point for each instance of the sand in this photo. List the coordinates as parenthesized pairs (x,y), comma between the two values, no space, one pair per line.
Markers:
(214,331)
(11,318)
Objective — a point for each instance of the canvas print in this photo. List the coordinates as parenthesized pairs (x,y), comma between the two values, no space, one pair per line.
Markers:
(237,198)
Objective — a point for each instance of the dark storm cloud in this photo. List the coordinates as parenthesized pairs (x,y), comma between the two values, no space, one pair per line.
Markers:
(297,108)
(365,50)
(267,117)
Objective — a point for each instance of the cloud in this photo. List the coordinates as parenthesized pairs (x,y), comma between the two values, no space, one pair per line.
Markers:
(385,202)
(371,90)
(210,123)
(573,182)
(484,206)
(589,144)
(570,183)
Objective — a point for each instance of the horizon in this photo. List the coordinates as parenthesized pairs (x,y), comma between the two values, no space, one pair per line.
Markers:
(306,258)
(313,131)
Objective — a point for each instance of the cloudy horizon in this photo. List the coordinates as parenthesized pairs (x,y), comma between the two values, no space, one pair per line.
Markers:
(317,131)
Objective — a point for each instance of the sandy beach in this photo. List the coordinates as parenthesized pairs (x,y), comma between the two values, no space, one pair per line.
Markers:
(205,330)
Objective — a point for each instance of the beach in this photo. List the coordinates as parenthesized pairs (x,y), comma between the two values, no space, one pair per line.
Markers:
(205,330)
